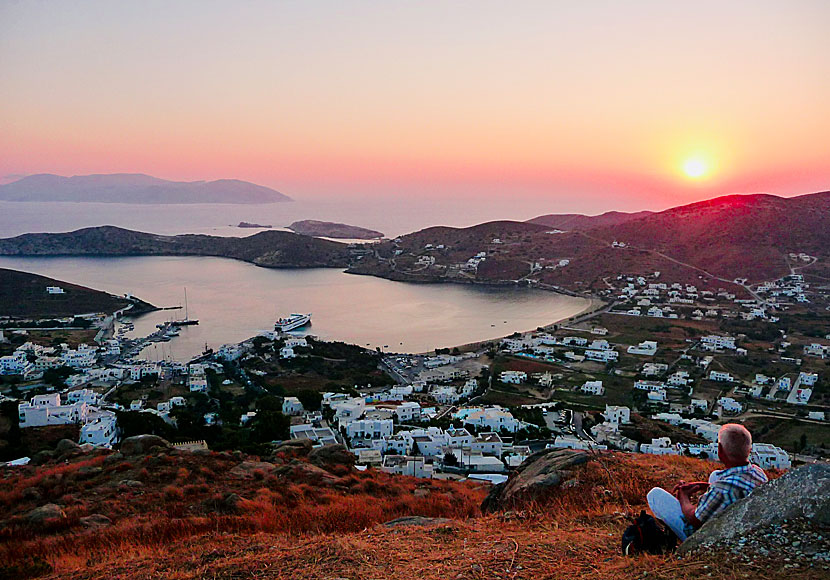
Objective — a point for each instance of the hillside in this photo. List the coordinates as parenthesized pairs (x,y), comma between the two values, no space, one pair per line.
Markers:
(579,222)
(709,243)
(333,230)
(24,295)
(272,249)
(155,512)
(135,188)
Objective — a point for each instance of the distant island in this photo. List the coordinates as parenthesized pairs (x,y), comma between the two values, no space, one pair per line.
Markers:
(334,230)
(135,188)
(250,225)
(24,295)
(270,249)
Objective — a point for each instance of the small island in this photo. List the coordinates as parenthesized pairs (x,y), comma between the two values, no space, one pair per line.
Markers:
(251,225)
(333,230)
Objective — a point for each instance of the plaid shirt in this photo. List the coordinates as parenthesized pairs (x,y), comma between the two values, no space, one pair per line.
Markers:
(728,486)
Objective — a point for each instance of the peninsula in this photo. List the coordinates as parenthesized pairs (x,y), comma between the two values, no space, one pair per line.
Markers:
(333,230)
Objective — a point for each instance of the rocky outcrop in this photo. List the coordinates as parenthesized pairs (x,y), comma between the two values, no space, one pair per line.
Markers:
(799,499)
(417,521)
(329,455)
(540,474)
(294,448)
(141,444)
(67,446)
(251,470)
(44,513)
(95,521)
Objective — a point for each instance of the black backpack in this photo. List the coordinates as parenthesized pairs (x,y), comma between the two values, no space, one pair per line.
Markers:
(647,534)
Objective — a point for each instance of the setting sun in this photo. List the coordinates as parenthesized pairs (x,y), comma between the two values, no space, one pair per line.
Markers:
(695,168)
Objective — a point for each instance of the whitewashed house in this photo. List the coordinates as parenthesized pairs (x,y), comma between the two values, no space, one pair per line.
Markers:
(593,388)
(292,406)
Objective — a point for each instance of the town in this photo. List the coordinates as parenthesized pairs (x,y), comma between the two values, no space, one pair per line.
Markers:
(656,370)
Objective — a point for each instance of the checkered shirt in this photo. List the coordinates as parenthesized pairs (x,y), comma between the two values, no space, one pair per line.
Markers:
(728,486)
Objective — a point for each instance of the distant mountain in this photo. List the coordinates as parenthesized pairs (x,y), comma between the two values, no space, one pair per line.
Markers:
(135,188)
(709,243)
(333,230)
(272,249)
(579,222)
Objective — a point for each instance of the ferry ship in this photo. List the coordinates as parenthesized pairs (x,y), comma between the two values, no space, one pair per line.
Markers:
(292,322)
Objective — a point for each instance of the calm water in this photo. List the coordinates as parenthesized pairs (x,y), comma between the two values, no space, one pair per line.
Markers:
(234,300)
(391,216)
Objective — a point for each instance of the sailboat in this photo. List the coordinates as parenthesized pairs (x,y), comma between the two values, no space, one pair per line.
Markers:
(186,321)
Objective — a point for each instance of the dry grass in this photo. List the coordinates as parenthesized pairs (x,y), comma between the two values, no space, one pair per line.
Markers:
(289,524)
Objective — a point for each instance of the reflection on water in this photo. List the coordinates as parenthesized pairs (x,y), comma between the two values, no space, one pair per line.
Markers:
(234,300)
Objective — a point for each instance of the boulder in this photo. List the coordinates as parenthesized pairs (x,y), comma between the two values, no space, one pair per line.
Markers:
(801,497)
(141,444)
(537,476)
(67,446)
(294,447)
(42,457)
(328,455)
(249,469)
(95,521)
(46,512)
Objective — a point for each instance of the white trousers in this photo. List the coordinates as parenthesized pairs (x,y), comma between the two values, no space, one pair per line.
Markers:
(666,508)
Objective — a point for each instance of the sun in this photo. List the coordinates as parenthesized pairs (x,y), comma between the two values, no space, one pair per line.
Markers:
(695,168)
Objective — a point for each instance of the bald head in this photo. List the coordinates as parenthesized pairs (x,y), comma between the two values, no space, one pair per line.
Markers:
(735,442)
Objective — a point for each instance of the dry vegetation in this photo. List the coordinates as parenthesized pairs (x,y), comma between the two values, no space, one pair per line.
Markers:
(295,521)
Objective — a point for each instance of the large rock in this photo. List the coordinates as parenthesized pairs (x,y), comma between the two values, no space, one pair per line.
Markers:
(46,512)
(801,497)
(417,521)
(95,521)
(328,455)
(294,447)
(141,444)
(251,470)
(537,476)
(67,446)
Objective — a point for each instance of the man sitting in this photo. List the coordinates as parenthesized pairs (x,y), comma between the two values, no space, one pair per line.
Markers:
(725,486)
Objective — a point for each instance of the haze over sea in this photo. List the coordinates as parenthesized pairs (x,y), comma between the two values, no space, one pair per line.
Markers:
(235,300)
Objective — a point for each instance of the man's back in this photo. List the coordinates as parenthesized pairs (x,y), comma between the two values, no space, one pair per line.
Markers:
(726,486)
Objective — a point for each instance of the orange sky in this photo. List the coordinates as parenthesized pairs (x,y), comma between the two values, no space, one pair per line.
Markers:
(604,100)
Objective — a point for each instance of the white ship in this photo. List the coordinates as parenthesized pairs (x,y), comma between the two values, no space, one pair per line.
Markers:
(292,322)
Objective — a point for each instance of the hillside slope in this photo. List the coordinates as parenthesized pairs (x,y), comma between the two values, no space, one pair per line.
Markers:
(170,513)
(24,295)
(709,243)
(135,188)
(579,222)
(273,249)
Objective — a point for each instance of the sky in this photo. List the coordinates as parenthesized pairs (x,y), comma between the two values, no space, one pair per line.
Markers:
(594,105)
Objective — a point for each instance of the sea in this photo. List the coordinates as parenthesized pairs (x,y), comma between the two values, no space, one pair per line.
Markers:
(234,300)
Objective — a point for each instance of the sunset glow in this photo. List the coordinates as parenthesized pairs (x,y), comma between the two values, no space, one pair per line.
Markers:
(572,102)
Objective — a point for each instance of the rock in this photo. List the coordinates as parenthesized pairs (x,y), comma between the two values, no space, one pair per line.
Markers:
(88,471)
(67,445)
(141,444)
(416,521)
(800,497)
(31,493)
(46,512)
(303,472)
(42,457)
(294,447)
(328,455)
(130,483)
(248,469)
(95,521)
(540,473)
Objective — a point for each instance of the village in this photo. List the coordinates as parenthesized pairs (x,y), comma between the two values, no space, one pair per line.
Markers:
(655,371)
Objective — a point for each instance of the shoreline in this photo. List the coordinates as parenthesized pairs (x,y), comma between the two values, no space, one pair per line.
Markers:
(595,305)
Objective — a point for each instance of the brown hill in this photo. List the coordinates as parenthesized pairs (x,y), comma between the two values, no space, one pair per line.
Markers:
(24,295)
(709,243)
(579,222)
(170,513)
(273,249)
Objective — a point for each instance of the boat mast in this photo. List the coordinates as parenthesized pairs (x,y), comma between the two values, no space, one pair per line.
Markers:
(186,317)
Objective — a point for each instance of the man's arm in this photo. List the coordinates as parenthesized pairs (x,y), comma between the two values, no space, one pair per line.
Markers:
(688,508)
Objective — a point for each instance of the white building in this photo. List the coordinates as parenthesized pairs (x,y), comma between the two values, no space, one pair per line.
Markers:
(488,444)
(45,410)
(721,376)
(101,431)
(292,406)
(659,446)
(645,348)
(489,418)
(768,456)
(593,388)
(617,415)
(715,342)
(730,405)
(369,428)
(602,355)
(408,411)
(513,377)
(408,465)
